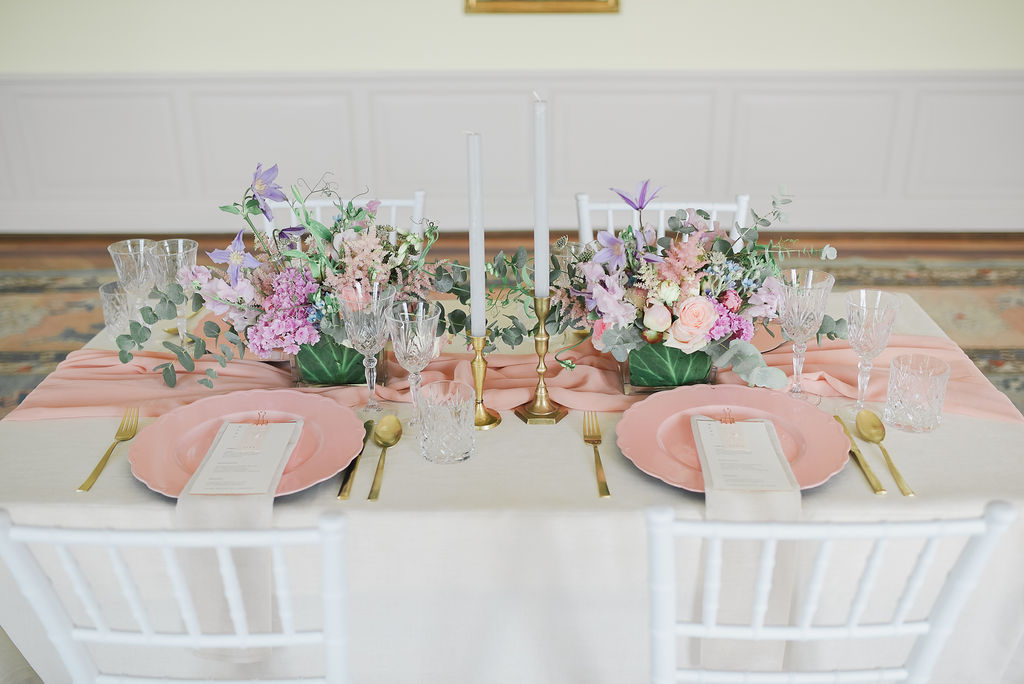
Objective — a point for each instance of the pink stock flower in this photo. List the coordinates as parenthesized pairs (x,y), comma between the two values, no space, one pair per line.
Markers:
(694,319)
(730,326)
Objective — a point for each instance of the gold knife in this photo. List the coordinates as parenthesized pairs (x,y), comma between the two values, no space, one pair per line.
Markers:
(350,472)
(859,458)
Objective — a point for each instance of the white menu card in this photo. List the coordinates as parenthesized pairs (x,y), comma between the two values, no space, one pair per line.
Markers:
(741,456)
(246,458)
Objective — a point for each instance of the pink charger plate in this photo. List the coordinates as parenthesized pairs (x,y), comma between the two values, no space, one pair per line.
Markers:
(656,435)
(167,452)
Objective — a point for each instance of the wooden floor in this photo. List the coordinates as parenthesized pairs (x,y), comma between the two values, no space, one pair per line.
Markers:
(30,252)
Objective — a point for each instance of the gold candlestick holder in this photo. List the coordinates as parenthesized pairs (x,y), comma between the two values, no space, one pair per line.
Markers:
(484,418)
(541,411)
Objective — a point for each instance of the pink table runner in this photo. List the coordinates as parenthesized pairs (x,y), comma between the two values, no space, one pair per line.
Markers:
(94,383)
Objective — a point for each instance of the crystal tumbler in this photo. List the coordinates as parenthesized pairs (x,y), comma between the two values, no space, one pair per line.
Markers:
(446,421)
(917,389)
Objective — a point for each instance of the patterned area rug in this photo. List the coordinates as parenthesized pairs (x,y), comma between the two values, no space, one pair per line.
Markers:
(46,314)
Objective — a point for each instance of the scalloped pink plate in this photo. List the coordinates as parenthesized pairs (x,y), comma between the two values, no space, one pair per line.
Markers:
(655,434)
(167,452)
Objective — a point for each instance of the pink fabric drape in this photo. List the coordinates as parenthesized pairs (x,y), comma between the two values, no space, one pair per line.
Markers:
(95,383)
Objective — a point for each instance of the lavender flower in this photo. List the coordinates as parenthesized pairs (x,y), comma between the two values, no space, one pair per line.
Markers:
(235,257)
(264,188)
(641,199)
(614,252)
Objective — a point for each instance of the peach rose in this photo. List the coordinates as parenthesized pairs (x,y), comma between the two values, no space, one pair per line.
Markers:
(694,319)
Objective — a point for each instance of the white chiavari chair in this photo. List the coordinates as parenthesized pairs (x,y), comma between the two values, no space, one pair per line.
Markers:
(926,622)
(619,214)
(94,588)
(390,211)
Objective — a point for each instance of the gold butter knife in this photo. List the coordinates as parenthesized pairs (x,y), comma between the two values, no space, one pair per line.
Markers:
(350,472)
(859,458)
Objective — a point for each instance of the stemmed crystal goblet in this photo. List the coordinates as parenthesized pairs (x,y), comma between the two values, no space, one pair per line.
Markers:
(413,327)
(131,260)
(870,315)
(168,257)
(363,310)
(802,302)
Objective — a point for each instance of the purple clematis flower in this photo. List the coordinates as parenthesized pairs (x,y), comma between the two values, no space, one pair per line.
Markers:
(641,198)
(264,188)
(291,235)
(614,252)
(235,257)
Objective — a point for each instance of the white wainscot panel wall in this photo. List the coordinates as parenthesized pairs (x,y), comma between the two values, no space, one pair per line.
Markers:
(858,151)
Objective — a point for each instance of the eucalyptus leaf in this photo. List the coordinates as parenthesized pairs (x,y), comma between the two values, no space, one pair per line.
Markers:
(206,382)
(166,310)
(124,356)
(148,316)
(124,343)
(170,376)
(176,293)
(184,359)
(211,330)
(139,332)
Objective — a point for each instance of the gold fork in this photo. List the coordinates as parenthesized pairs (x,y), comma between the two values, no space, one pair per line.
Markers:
(592,436)
(127,429)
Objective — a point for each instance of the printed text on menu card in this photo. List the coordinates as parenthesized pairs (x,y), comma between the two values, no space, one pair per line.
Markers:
(744,455)
(246,458)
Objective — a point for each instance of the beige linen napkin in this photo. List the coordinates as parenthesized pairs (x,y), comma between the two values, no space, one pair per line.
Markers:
(779,500)
(253,566)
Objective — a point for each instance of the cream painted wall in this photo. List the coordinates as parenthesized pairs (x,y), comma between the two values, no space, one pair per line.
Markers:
(146,36)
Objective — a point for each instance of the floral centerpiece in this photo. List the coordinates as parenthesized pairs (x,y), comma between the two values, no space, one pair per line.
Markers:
(282,297)
(670,308)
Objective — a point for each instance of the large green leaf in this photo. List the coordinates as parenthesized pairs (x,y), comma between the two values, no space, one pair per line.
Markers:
(329,363)
(655,365)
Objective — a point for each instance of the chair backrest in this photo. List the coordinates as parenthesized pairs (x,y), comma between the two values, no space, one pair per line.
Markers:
(727,213)
(324,210)
(832,546)
(88,614)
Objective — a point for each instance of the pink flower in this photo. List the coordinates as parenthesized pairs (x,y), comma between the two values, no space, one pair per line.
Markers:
(694,318)
(609,297)
(657,317)
(765,302)
(599,327)
(372,206)
(731,300)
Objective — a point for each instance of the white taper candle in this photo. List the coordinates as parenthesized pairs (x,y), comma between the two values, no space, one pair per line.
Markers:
(477,260)
(541,237)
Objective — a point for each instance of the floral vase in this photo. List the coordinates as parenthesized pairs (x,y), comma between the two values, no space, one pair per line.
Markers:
(330,363)
(655,367)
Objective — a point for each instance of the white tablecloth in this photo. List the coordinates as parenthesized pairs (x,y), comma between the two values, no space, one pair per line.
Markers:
(508,567)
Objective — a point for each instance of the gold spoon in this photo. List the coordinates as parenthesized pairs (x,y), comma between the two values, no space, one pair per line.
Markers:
(385,435)
(871,428)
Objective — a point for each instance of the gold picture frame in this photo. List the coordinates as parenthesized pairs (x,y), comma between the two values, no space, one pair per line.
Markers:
(565,6)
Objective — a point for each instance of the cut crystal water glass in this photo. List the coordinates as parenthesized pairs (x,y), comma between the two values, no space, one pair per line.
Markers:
(870,315)
(414,335)
(168,258)
(134,270)
(802,301)
(364,309)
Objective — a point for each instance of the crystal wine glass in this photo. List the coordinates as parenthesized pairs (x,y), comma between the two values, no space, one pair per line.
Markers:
(801,307)
(413,327)
(870,315)
(168,257)
(131,259)
(363,310)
